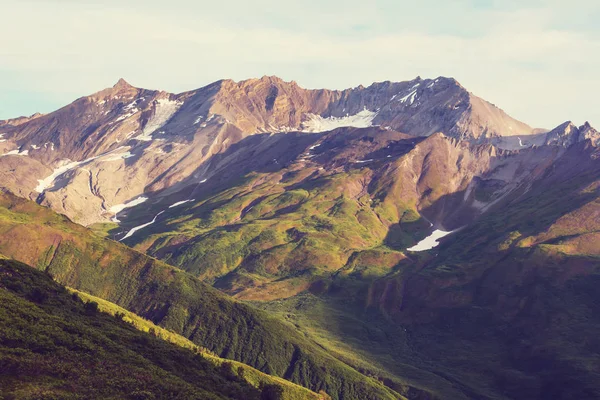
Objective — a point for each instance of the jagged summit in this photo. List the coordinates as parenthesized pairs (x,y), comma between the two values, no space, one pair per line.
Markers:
(567,134)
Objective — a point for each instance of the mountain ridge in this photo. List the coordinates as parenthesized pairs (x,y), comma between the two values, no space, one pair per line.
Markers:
(109,148)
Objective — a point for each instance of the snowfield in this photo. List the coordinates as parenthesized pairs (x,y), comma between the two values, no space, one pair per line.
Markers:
(316,123)
(430,241)
(163,111)
(120,207)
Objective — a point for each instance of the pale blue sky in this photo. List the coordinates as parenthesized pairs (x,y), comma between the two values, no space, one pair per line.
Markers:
(538,60)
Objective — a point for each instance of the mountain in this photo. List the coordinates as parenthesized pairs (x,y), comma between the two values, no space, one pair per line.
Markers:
(74,351)
(398,240)
(91,159)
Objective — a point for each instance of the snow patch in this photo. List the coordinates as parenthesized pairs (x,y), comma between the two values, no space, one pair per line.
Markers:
(316,123)
(129,114)
(120,207)
(137,228)
(163,111)
(67,165)
(430,241)
(180,203)
(16,153)
(409,97)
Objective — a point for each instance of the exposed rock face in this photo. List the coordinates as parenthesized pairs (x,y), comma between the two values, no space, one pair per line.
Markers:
(111,147)
(567,134)
(418,107)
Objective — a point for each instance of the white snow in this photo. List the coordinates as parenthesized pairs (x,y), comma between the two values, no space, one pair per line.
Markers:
(180,203)
(131,106)
(2,140)
(393,97)
(33,146)
(430,241)
(67,165)
(15,153)
(129,114)
(163,111)
(363,161)
(521,143)
(314,146)
(137,228)
(203,180)
(120,207)
(410,97)
(198,120)
(316,123)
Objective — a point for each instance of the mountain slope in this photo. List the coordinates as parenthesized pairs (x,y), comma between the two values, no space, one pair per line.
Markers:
(92,158)
(519,286)
(73,256)
(280,212)
(72,351)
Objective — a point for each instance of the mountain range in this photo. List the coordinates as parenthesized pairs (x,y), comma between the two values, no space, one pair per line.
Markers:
(319,216)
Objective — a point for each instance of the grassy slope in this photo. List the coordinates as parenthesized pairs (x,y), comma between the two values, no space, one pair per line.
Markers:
(274,233)
(275,238)
(53,346)
(175,300)
(458,317)
(509,306)
(251,375)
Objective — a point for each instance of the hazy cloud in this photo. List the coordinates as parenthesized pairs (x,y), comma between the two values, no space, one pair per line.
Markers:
(524,56)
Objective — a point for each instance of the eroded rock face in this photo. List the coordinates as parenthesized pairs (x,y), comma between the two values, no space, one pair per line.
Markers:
(111,147)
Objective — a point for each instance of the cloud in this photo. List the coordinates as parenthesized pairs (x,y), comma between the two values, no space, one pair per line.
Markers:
(521,56)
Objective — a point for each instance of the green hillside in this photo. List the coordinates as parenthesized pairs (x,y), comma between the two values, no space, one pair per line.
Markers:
(175,300)
(54,346)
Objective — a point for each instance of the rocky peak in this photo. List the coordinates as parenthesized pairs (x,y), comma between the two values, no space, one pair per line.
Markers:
(563,135)
(122,84)
(586,131)
(567,134)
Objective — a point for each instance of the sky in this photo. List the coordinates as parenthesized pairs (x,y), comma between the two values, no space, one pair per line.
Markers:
(536,59)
